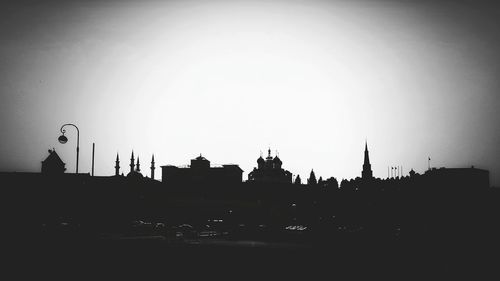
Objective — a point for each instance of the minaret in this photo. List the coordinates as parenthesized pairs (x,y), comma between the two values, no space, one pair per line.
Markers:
(367,168)
(153,167)
(138,168)
(117,165)
(132,162)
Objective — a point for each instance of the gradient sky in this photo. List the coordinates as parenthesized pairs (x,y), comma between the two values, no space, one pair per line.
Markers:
(228,79)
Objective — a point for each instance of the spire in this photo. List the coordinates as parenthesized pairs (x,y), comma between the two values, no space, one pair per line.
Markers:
(153,167)
(138,169)
(117,165)
(367,158)
(269,152)
(132,162)
(367,167)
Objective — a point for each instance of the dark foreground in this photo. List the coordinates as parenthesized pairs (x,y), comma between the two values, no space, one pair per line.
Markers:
(152,257)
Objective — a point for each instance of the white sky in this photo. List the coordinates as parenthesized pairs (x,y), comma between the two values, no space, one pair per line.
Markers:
(228,79)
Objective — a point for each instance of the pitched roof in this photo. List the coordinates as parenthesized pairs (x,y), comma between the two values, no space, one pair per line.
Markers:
(53,157)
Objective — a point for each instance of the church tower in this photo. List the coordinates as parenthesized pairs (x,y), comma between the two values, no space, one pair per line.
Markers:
(367,167)
(132,162)
(153,167)
(117,165)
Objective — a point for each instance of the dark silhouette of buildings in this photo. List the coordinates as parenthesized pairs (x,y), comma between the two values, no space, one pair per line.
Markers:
(458,179)
(270,171)
(53,164)
(367,167)
(447,208)
(200,172)
(134,173)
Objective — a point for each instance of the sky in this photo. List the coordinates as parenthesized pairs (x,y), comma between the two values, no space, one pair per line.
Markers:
(312,80)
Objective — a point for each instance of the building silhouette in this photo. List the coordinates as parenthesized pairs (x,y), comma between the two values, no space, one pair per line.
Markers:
(457,179)
(135,169)
(367,167)
(270,171)
(200,172)
(53,164)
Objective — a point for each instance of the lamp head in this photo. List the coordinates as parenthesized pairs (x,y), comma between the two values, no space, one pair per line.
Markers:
(63,139)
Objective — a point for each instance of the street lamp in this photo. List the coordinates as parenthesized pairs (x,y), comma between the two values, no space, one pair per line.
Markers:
(63,139)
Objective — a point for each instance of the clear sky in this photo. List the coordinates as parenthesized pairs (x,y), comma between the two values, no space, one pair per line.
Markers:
(228,79)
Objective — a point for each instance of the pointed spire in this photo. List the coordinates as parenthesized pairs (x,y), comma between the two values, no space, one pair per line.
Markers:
(269,152)
(367,158)
(132,162)
(153,167)
(138,169)
(366,173)
(117,165)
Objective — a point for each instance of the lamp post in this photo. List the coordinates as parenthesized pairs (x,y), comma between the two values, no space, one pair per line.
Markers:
(63,139)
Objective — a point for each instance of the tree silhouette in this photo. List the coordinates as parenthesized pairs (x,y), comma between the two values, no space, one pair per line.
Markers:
(332,183)
(298,180)
(312,179)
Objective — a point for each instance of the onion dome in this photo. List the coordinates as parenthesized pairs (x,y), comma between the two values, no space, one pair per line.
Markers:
(260,160)
(277,160)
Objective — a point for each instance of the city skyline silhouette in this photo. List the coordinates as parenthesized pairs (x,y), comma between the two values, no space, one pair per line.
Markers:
(314,80)
(205,209)
(223,138)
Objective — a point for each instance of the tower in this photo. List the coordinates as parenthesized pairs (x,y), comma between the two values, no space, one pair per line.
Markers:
(117,165)
(132,162)
(367,167)
(138,168)
(153,167)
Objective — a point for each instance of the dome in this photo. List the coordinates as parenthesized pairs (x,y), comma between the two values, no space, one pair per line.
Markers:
(277,160)
(201,158)
(260,160)
(135,175)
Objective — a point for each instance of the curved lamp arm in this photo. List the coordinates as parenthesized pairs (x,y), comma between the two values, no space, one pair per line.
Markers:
(77,140)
